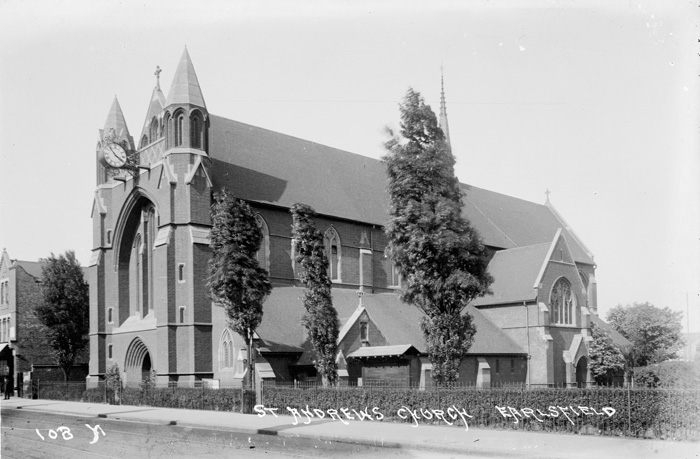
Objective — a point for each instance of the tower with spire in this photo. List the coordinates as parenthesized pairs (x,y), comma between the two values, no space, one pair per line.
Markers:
(443,110)
(150,240)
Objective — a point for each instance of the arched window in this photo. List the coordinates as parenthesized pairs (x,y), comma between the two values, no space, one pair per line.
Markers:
(153,131)
(179,127)
(144,141)
(166,130)
(331,241)
(562,302)
(263,254)
(138,273)
(226,350)
(196,130)
(149,230)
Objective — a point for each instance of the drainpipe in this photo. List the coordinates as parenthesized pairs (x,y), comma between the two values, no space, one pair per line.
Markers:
(527,328)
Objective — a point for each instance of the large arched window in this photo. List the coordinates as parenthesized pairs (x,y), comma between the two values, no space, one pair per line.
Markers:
(137,268)
(562,303)
(263,254)
(331,241)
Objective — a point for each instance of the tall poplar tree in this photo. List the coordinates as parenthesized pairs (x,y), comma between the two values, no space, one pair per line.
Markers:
(320,318)
(237,281)
(65,308)
(440,257)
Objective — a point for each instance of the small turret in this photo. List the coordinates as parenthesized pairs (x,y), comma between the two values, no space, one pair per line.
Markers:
(115,128)
(186,119)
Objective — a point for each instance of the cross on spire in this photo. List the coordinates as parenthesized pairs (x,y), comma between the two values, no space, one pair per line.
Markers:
(547,192)
(157,74)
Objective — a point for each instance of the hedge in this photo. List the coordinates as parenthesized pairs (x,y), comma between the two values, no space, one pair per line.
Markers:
(672,414)
(176,397)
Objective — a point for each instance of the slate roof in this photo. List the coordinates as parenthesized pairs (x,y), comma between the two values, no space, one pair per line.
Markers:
(614,334)
(268,167)
(33,268)
(514,272)
(281,329)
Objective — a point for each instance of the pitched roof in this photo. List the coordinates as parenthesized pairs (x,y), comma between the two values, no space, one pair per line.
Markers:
(185,86)
(33,268)
(268,167)
(614,334)
(514,272)
(281,329)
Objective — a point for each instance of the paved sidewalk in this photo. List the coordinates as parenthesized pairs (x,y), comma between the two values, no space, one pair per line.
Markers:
(481,442)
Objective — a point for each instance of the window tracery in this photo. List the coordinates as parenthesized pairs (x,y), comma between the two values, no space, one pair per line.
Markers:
(562,303)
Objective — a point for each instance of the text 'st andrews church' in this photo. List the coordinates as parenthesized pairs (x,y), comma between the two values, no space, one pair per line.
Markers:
(150,307)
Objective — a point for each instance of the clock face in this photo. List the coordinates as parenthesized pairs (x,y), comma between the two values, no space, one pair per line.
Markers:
(114,155)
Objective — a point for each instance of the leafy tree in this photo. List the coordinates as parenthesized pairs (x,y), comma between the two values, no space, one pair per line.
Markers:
(320,318)
(606,359)
(113,383)
(439,255)
(65,308)
(237,281)
(654,332)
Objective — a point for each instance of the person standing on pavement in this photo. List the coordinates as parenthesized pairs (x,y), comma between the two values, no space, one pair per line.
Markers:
(8,387)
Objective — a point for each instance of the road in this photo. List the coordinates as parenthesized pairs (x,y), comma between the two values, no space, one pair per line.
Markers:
(33,434)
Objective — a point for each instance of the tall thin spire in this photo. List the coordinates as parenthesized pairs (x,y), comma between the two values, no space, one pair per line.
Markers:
(443,109)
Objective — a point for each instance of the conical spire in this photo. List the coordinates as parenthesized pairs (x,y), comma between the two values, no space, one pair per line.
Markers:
(443,110)
(185,87)
(115,120)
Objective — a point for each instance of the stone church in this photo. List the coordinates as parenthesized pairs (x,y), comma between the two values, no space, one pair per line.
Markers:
(150,308)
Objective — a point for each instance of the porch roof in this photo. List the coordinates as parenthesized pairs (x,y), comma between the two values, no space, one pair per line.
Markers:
(383,351)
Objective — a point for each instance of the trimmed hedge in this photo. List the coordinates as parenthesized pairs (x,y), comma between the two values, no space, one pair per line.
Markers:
(58,390)
(178,397)
(673,414)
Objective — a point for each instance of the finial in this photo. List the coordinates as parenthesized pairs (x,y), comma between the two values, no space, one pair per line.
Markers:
(360,294)
(547,192)
(157,74)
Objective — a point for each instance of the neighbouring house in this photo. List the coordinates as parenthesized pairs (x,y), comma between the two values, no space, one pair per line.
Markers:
(25,352)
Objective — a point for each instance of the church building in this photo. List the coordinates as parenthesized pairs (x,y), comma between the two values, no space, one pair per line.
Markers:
(151,310)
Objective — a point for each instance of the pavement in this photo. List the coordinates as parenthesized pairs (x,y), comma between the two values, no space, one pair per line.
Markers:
(453,440)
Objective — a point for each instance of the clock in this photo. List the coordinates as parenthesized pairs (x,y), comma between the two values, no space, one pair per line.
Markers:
(113,155)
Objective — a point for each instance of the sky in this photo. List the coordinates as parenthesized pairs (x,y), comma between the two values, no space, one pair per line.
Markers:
(596,101)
